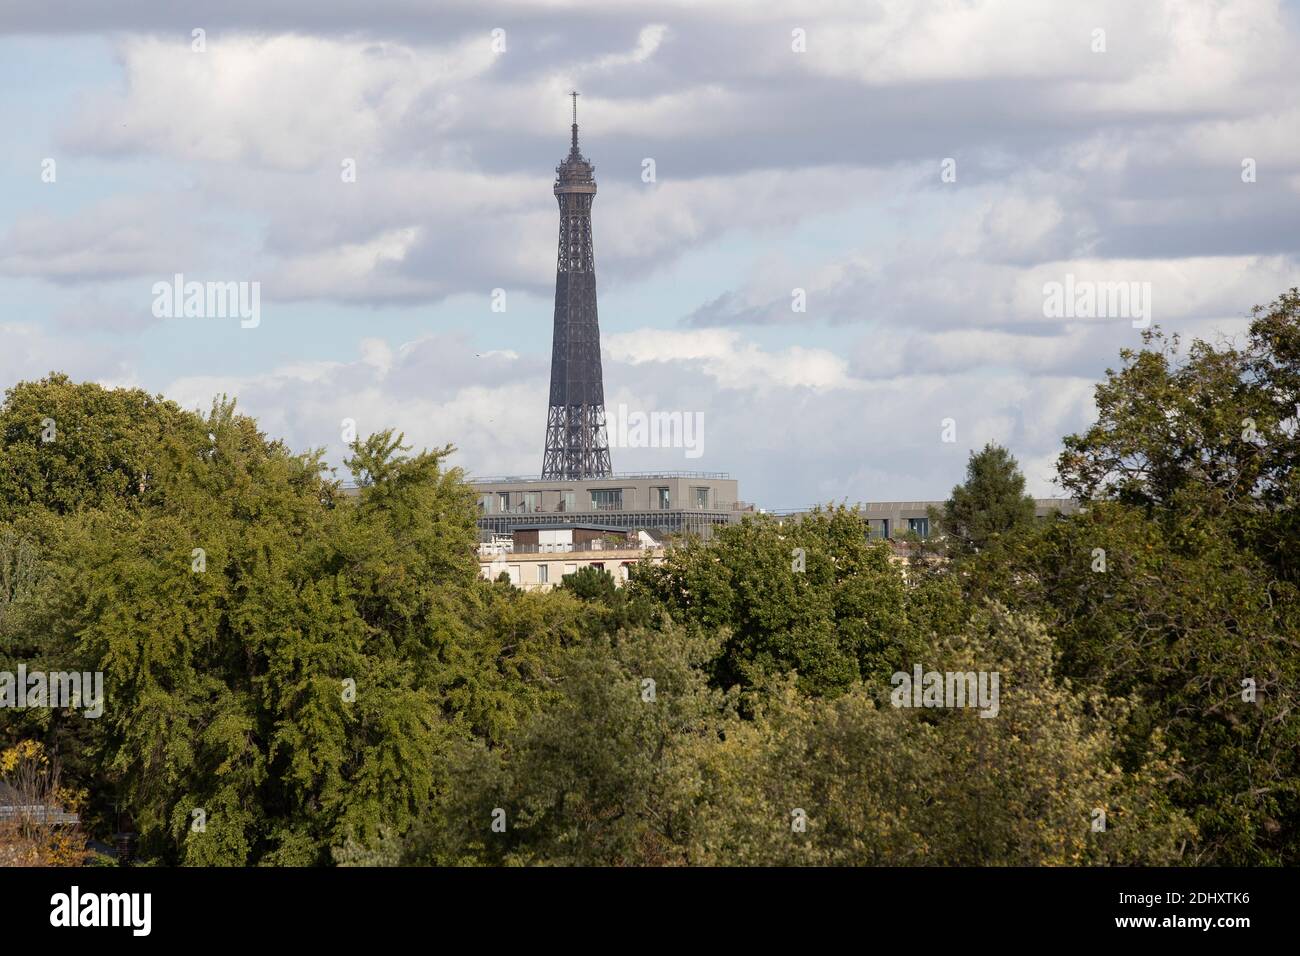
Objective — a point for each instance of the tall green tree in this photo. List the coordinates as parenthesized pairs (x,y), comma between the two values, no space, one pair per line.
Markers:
(1213,433)
(285,665)
(591,584)
(604,775)
(991,502)
(1177,584)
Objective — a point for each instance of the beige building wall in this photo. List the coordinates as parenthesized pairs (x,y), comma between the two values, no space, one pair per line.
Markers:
(526,570)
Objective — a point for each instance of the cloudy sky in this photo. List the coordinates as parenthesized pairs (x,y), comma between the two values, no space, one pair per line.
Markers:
(794,145)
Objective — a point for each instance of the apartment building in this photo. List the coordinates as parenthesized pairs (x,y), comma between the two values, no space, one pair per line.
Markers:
(538,556)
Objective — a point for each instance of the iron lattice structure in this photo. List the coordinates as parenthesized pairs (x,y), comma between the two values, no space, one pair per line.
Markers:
(576,443)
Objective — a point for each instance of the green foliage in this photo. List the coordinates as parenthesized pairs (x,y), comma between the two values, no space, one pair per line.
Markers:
(591,584)
(839,619)
(1166,425)
(1179,621)
(611,775)
(104,446)
(992,502)
(882,785)
(292,661)
(509,670)
(1179,583)
(602,777)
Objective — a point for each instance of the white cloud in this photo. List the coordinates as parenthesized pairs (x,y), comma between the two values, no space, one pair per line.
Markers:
(731,362)
(647,42)
(286,102)
(31,352)
(126,235)
(789,423)
(359,270)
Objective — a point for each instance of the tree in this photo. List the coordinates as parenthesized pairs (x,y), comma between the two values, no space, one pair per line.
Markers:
(591,584)
(603,775)
(856,781)
(1178,582)
(65,446)
(1186,622)
(29,779)
(638,761)
(284,665)
(992,502)
(816,596)
(1215,433)
(1221,421)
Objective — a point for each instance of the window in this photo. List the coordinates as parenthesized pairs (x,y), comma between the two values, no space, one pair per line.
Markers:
(700,498)
(504,497)
(661,498)
(532,501)
(485,504)
(920,525)
(610,499)
(543,573)
(880,527)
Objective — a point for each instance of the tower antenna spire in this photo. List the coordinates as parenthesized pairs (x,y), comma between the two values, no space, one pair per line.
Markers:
(575,94)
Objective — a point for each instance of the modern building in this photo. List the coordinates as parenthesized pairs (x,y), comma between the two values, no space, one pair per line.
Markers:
(893,520)
(676,502)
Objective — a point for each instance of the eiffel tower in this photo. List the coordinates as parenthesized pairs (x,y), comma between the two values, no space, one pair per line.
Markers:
(576,443)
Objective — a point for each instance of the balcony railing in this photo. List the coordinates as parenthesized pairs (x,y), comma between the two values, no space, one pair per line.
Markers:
(506,548)
(617,476)
(624,507)
(38,813)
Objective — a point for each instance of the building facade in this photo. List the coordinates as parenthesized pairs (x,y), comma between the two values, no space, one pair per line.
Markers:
(892,520)
(538,557)
(678,502)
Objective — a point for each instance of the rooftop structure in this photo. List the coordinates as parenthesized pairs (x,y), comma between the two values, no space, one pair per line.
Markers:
(678,502)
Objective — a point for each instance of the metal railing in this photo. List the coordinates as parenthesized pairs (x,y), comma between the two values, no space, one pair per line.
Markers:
(893,508)
(492,550)
(37,813)
(617,476)
(624,508)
